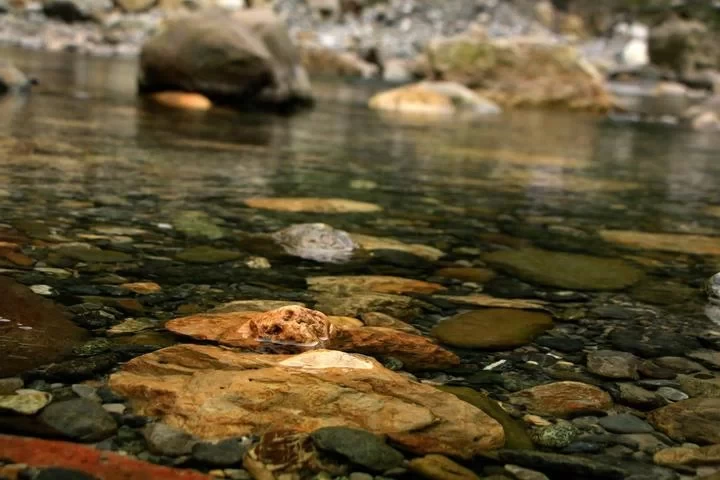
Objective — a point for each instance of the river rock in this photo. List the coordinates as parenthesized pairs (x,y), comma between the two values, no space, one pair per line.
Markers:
(79,419)
(359,446)
(613,364)
(564,466)
(208,255)
(134,6)
(519,71)
(694,420)
(682,45)
(371,283)
(492,328)
(12,79)
(212,392)
(566,270)
(91,254)
(467,274)
(679,456)
(563,399)
(198,224)
(371,243)
(71,11)
(438,467)
(253,58)
(433,98)
(355,304)
(699,387)
(253,306)
(312,205)
(24,402)
(166,440)
(638,397)
(665,242)
(377,319)
(33,330)
(10,385)
(624,423)
(223,453)
(316,241)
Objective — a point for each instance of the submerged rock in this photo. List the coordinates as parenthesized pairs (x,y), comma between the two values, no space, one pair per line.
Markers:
(693,420)
(206,254)
(359,446)
(372,283)
(198,224)
(316,241)
(433,98)
(24,402)
(220,393)
(493,328)
(566,270)
(666,242)
(355,304)
(12,79)
(33,330)
(312,205)
(563,399)
(243,57)
(79,419)
(372,243)
(438,467)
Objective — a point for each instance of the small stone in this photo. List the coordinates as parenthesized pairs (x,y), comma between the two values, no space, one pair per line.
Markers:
(613,364)
(142,288)
(679,364)
(9,385)
(79,419)
(45,290)
(651,369)
(163,439)
(638,397)
(521,473)
(625,423)
(207,255)
(24,402)
(220,454)
(54,473)
(438,467)
(116,408)
(563,399)
(258,263)
(555,436)
(361,476)
(86,391)
(359,446)
(672,394)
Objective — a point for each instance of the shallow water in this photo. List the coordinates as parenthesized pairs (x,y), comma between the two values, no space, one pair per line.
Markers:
(82,153)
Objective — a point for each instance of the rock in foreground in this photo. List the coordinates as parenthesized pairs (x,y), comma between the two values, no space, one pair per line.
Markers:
(239,58)
(213,393)
(433,98)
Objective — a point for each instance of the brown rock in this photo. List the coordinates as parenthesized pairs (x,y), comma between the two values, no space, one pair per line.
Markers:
(613,364)
(438,467)
(695,420)
(693,457)
(563,399)
(182,100)
(467,274)
(665,242)
(356,304)
(33,330)
(253,306)
(372,283)
(377,319)
(415,351)
(142,288)
(212,392)
(312,205)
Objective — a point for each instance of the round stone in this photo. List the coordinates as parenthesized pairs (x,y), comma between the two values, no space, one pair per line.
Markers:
(493,328)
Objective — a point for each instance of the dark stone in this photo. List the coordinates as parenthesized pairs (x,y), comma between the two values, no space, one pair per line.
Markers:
(93,316)
(651,369)
(565,466)
(108,396)
(652,344)
(75,370)
(359,446)
(583,447)
(221,454)
(625,423)
(614,312)
(79,419)
(561,344)
(62,474)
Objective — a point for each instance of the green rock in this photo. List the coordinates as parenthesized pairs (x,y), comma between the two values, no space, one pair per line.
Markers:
(195,223)
(205,254)
(93,255)
(566,270)
(516,437)
(663,293)
(493,328)
(555,436)
(359,446)
(95,346)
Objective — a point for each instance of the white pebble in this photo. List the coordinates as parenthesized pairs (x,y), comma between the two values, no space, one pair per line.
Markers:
(42,289)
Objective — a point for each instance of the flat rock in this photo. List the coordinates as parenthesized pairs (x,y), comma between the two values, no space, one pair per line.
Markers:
(212,392)
(142,288)
(97,463)
(710,358)
(209,255)
(355,304)
(695,420)
(482,300)
(666,242)
(89,254)
(253,306)
(625,423)
(372,283)
(566,466)
(79,419)
(197,224)
(493,328)
(563,399)
(312,205)
(565,270)
(223,453)
(438,467)
(33,330)
(359,446)
(638,397)
(613,364)
(693,457)
(467,274)
(377,319)
(698,387)
(371,243)
(166,440)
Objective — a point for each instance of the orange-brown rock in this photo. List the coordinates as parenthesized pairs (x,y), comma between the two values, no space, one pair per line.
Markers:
(467,274)
(33,330)
(673,457)
(182,100)
(142,288)
(294,328)
(10,255)
(378,319)
(214,392)
(563,399)
(372,283)
(695,420)
(415,351)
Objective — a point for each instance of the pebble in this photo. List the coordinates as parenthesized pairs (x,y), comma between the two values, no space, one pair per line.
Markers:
(163,439)
(86,392)
(25,402)
(613,364)
(118,408)
(46,290)
(632,395)
(625,423)
(439,467)
(672,394)
(555,436)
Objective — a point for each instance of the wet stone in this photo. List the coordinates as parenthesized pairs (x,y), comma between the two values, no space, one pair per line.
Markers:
(650,369)
(672,394)
(24,402)
(163,439)
(556,436)
(359,446)
(219,454)
(638,397)
(10,384)
(709,358)
(625,423)
(613,364)
(561,344)
(79,419)
(679,364)
(652,344)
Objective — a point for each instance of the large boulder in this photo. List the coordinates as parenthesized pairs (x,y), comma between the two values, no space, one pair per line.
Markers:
(519,72)
(682,46)
(237,58)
